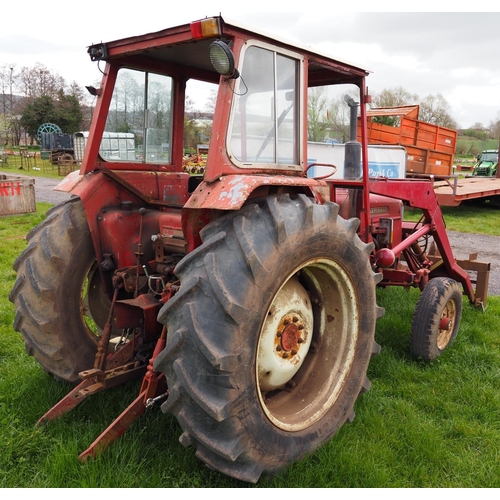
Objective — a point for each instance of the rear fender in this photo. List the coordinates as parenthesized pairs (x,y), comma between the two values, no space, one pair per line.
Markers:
(232,191)
(211,200)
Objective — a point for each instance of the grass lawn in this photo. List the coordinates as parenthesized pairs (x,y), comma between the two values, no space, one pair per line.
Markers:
(466,218)
(421,425)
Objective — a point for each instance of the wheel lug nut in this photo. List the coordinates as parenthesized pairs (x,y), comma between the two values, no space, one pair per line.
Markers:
(300,340)
(295,319)
(279,335)
(278,348)
(285,355)
(294,352)
(286,322)
(301,327)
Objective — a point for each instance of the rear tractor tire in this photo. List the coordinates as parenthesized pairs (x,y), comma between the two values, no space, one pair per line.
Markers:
(269,335)
(436,319)
(58,295)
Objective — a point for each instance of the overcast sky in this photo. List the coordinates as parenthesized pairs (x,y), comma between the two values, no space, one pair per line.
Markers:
(455,54)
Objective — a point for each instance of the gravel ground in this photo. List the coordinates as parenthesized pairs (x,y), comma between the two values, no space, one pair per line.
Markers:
(44,191)
(463,244)
(487,249)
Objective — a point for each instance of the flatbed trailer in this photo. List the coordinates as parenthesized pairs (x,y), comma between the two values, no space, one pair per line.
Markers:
(452,191)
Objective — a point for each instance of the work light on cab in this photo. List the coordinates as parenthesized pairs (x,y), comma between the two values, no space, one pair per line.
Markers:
(223,59)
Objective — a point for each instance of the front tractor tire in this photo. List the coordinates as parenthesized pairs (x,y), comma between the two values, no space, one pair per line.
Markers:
(436,319)
(58,293)
(269,335)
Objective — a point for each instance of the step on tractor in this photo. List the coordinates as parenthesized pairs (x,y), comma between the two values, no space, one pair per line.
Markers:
(242,291)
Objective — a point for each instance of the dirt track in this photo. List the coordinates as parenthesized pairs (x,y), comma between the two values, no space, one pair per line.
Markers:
(487,249)
(463,244)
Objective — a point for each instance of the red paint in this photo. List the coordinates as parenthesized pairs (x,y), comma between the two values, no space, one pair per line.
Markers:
(10,189)
(445,323)
(290,337)
(385,257)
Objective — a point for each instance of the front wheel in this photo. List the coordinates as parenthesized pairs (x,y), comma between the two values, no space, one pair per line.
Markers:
(269,335)
(436,318)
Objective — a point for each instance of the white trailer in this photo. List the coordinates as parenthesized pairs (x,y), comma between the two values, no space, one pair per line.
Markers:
(114,146)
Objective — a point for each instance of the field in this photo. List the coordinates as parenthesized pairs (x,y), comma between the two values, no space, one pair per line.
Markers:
(420,425)
(468,146)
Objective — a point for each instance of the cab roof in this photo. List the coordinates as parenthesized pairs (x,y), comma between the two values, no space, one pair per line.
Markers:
(177,46)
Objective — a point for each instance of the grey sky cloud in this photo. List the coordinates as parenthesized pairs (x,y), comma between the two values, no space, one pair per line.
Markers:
(451,53)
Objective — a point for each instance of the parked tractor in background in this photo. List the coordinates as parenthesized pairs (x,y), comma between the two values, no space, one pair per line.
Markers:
(487,164)
(244,296)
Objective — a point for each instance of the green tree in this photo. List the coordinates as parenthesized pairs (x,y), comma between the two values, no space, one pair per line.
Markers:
(68,113)
(197,126)
(124,127)
(329,117)
(390,98)
(435,109)
(396,96)
(65,111)
(339,115)
(4,128)
(494,127)
(40,110)
(477,131)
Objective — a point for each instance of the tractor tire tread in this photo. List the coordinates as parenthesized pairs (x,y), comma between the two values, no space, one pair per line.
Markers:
(205,358)
(40,293)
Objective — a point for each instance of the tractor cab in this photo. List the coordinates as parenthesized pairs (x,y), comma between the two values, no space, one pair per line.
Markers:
(259,125)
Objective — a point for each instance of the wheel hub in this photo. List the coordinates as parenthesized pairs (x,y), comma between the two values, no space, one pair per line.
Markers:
(289,340)
(446,325)
(286,336)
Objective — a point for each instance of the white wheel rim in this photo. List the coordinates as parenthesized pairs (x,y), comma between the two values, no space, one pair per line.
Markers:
(297,396)
(286,336)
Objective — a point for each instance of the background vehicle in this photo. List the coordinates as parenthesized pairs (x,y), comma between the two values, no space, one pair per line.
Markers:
(487,164)
(114,146)
(55,145)
(244,297)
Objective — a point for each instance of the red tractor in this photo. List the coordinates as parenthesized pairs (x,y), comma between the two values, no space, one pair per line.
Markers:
(244,293)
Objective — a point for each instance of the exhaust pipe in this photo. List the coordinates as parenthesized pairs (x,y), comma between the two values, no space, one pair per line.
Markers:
(352,163)
(352,160)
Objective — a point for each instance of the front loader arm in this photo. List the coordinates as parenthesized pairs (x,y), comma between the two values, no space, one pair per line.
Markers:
(420,194)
